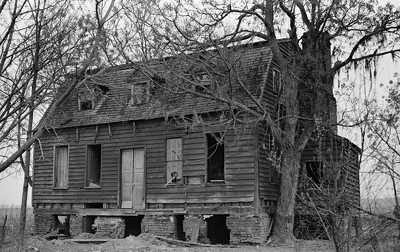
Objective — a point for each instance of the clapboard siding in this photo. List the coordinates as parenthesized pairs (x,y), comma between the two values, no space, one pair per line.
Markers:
(152,135)
(339,156)
(267,178)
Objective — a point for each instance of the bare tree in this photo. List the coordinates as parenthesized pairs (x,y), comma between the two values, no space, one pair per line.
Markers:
(325,37)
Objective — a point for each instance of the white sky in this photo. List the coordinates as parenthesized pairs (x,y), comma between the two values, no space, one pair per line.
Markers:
(11,187)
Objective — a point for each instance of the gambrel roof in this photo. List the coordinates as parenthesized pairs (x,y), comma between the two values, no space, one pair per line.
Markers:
(252,60)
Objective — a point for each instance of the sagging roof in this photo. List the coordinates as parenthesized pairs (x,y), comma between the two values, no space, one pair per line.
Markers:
(253,61)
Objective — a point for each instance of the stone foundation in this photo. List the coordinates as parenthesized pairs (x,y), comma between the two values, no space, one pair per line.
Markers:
(109,227)
(242,229)
(75,225)
(190,222)
(162,225)
(248,229)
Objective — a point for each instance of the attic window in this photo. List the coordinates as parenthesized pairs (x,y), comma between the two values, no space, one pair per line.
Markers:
(89,96)
(202,82)
(85,105)
(215,157)
(276,80)
(314,171)
(140,93)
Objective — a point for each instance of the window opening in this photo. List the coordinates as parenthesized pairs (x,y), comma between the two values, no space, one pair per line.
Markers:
(140,93)
(314,171)
(215,158)
(93,167)
(174,161)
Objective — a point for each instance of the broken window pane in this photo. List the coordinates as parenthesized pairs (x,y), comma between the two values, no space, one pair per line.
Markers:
(215,157)
(174,161)
(93,166)
(61,166)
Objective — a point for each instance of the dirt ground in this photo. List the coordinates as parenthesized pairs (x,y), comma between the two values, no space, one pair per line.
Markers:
(148,243)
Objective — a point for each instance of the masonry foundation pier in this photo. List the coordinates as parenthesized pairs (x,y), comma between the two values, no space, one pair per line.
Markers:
(109,227)
(195,228)
(248,229)
(162,225)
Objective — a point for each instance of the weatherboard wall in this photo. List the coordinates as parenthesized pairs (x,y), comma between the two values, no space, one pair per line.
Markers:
(239,185)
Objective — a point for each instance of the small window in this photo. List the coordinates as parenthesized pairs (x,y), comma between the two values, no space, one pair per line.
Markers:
(314,171)
(140,93)
(61,166)
(85,105)
(93,165)
(215,157)
(89,97)
(276,81)
(202,82)
(174,161)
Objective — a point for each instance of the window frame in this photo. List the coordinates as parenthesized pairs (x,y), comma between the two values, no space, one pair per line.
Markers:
(181,181)
(207,180)
(276,88)
(86,185)
(80,100)
(147,86)
(55,186)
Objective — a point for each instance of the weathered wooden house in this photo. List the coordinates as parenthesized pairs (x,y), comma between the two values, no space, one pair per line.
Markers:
(116,160)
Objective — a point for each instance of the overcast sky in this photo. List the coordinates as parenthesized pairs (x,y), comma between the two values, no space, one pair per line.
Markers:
(11,187)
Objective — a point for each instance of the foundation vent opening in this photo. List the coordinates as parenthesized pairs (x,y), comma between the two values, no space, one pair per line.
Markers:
(133,225)
(87,224)
(217,230)
(180,234)
(93,205)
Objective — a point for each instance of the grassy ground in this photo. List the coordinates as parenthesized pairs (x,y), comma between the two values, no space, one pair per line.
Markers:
(12,224)
(148,243)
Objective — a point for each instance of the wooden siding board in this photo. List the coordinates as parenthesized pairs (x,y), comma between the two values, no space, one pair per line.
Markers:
(151,135)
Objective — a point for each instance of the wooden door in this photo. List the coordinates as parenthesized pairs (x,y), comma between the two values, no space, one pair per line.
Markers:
(132,179)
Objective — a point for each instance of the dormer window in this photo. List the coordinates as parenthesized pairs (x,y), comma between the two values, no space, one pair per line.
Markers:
(86,105)
(89,97)
(86,101)
(140,93)
(202,82)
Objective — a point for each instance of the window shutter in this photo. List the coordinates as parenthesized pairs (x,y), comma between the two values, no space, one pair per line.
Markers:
(61,167)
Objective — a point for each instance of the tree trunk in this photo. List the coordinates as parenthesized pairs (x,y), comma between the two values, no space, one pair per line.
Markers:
(22,221)
(284,219)
(27,164)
